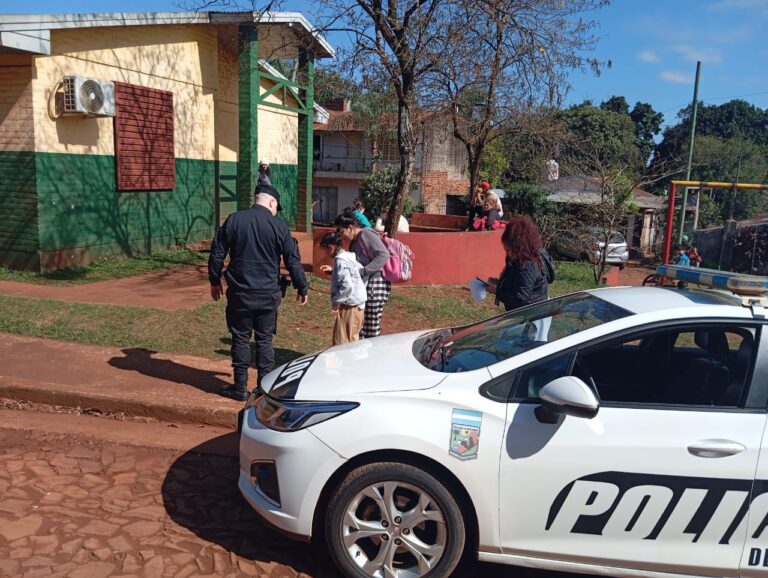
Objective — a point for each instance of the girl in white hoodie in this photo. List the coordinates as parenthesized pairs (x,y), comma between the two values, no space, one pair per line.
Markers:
(348,292)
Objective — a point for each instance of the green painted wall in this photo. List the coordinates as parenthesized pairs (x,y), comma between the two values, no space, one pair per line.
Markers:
(79,207)
(284,178)
(18,210)
(63,210)
(227,188)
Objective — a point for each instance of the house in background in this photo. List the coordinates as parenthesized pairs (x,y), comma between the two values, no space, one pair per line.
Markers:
(344,154)
(640,231)
(126,133)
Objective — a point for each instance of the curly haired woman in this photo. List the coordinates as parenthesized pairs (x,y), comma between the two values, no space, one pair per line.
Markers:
(528,267)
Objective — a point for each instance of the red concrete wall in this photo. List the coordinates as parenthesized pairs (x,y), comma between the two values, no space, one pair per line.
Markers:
(458,222)
(442,258)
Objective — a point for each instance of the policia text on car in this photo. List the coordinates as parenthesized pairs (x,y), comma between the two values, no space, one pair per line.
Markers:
(255,240)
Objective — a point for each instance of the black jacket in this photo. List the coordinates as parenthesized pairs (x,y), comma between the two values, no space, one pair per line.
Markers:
(521,284)
(255,241)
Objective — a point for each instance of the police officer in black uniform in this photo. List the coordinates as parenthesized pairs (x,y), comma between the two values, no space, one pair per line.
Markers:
(255,240)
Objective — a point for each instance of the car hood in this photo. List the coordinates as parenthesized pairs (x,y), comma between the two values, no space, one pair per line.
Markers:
(381,364)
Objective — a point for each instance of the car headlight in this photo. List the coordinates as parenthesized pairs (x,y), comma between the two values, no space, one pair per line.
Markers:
(295,415)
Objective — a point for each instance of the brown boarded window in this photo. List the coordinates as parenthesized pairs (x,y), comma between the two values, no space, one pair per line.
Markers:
(144,153)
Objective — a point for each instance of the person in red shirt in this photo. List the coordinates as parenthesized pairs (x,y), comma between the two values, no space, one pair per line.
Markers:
(694,256)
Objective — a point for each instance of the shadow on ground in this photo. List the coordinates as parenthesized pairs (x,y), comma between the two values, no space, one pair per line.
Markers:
(140,360)
(200,493)
(281,355)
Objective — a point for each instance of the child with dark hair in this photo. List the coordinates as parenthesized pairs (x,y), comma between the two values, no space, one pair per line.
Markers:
(348,294)
(373,255)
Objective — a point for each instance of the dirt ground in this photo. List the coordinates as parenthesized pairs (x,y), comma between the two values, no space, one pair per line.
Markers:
(184,288)
(87,506)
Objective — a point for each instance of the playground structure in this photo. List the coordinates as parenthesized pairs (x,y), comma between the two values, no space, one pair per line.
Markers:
(657,279)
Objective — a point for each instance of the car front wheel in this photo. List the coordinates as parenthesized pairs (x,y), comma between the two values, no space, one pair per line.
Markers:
(392,520)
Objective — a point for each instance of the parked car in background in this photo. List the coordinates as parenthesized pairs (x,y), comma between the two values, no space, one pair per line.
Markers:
(588,244)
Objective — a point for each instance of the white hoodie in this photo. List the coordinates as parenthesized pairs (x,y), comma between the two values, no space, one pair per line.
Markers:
(347,287)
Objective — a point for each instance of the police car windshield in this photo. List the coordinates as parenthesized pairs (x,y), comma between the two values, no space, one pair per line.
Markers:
(499,338)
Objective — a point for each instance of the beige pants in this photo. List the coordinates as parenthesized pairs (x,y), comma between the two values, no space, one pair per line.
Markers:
(349,322)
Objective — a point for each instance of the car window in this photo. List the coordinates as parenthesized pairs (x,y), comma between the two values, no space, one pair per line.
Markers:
(534,377)
(616,238)
(505,336)
(704,366)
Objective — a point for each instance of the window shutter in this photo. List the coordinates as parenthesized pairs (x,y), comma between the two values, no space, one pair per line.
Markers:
(144,153)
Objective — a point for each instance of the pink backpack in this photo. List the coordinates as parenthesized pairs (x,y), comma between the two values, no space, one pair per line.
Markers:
(399,266)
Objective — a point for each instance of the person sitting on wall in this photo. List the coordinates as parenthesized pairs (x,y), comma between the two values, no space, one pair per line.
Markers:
(490,219)
(475,207)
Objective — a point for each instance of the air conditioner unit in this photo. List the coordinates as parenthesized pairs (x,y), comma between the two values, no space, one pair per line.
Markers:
(88,96)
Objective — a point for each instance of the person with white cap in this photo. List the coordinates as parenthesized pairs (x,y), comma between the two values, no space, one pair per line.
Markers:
(255,240)
(265,175)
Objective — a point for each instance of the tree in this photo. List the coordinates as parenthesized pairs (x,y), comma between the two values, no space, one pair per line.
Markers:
(511,60)
(616,104)
(733,159)
(734,119)
(532,201)
(601,138)
(331,83)
(647,125)
(378,190)
(401,41)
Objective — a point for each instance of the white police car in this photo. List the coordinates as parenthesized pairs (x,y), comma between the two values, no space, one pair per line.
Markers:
(618,431)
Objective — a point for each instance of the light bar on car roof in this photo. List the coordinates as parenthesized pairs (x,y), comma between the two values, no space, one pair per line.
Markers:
(738,283)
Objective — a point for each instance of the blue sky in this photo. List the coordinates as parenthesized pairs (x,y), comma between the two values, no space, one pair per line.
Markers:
(653,45)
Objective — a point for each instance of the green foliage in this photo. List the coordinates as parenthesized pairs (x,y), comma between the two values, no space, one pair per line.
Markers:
(600,138)
(531,201)
(331,84)
(731,159)
(494,164)
(616,104)
(378,191)
(647,126)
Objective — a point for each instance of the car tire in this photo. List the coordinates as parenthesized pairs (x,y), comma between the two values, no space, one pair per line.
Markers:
(431,546)
(622,266)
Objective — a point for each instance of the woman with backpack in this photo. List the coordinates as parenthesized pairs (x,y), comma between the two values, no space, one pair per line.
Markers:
(528,269)
(372,255)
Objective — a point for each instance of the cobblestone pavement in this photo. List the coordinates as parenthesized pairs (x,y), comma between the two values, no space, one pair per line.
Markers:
(82,508)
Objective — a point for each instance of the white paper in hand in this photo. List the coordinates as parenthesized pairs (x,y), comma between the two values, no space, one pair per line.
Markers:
(477,288)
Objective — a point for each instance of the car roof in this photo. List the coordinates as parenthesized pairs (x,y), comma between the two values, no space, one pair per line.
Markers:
(649,299)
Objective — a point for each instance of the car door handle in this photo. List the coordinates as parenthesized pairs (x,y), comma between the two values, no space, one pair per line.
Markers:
(715,448)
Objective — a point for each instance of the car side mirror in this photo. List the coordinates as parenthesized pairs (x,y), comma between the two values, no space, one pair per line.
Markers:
(567,395)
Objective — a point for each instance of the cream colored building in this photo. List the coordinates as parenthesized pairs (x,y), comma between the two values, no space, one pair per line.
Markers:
(197,102)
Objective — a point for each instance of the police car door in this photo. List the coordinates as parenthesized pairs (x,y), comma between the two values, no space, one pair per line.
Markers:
(660,479)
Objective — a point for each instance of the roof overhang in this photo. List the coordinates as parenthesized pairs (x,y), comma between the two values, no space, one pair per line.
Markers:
(32,32)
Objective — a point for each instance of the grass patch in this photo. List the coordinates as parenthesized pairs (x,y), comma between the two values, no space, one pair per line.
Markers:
(571,276)
(110,268)
(203,332)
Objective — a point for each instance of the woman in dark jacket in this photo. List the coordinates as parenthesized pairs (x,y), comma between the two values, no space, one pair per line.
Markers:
(372,255)
(525,278)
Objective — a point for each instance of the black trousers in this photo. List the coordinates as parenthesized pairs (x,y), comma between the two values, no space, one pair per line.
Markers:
(473,212)
(252,314)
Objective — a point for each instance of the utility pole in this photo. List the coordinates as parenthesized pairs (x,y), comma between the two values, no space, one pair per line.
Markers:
(690,151)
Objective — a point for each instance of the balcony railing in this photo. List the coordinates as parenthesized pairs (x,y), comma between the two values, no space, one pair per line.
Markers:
(347,164)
